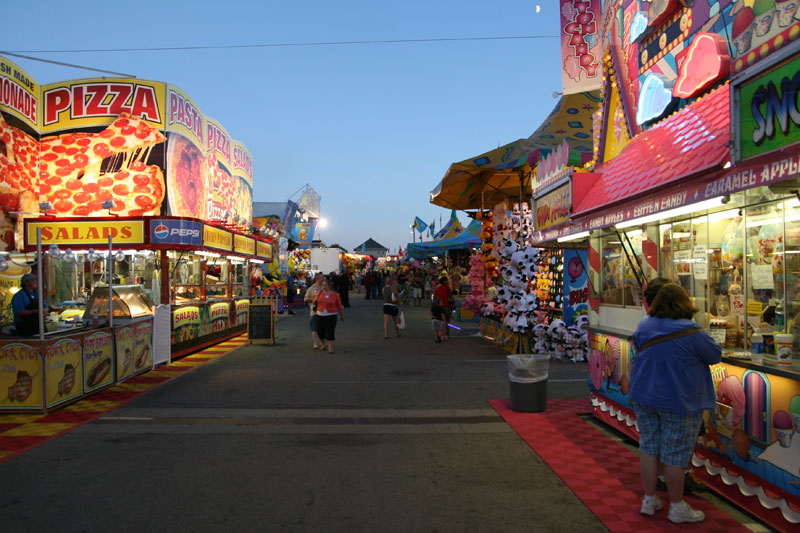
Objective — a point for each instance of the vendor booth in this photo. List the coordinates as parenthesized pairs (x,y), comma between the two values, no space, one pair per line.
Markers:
(696,179)
(138,207)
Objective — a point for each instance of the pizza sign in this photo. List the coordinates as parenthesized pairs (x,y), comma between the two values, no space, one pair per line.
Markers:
(89,100)
(219,310)
(218,140)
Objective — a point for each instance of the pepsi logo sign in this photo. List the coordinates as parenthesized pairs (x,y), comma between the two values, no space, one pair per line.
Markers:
(161,231)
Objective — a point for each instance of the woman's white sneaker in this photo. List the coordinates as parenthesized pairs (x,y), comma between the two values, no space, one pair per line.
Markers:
(650,504)
(680,513)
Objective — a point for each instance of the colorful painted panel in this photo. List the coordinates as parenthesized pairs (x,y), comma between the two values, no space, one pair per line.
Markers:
(755,424)
(610,367)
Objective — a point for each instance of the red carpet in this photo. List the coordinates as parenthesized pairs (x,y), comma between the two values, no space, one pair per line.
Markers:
(603,473)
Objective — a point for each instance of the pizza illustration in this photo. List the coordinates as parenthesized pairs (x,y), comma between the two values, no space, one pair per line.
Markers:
(79,171)
(243,201)
(186,176)
(221,188)
(19,157)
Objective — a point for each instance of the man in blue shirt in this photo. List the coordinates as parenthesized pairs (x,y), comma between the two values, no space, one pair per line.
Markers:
(25,307)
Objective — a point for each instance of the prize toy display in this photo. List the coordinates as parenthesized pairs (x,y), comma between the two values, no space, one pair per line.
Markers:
(522,222)
(477,297)
(490,261)
(550,282)
(517,268)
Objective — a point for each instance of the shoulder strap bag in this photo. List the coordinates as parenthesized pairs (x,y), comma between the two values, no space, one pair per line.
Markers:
(668,337)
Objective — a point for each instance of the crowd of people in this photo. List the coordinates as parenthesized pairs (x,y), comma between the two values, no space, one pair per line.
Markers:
(328,295)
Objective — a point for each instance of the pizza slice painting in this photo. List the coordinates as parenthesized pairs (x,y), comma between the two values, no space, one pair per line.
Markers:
(186,177)
(79,171)
(19,156)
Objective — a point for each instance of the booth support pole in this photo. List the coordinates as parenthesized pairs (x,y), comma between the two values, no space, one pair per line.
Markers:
(110,284)
(40,299)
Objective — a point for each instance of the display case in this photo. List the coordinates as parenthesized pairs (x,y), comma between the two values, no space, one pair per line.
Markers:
(129,301)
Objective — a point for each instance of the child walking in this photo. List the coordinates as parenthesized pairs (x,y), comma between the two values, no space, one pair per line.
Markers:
(437,320)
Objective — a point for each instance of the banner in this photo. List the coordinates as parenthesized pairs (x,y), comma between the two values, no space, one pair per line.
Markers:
(186,172)
(221,185)
(98,355)
(765,116)
(553,208)
(217,238)
(419,225)
(310,201)
(64,371)
(83,233)
(114,146)
(99,101)
(303,233)
(21,377)
(576,284)
(581,49)
(242,201)
(19,94)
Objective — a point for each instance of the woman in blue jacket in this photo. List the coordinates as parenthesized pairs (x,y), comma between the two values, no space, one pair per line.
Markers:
(671,387)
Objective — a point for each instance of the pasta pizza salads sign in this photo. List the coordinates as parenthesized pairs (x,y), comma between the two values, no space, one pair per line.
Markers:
(142,144)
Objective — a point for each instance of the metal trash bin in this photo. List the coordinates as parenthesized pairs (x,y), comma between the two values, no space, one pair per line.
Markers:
(527,379)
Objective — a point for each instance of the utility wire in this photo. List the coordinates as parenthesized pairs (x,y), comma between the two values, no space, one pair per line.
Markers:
(285,45)
(68,64)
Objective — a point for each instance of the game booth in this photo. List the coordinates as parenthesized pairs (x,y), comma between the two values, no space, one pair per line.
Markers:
(696,178)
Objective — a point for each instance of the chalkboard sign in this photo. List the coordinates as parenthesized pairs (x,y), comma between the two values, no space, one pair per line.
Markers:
(260,323)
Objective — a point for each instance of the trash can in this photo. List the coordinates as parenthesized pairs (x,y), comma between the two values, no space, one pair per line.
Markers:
(527,379)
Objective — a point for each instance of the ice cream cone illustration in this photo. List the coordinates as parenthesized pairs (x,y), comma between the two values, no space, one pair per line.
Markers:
(764,13)
(742,30)
(785,10)
(784,429)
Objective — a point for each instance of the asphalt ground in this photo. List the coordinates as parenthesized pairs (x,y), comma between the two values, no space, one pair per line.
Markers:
(385,435)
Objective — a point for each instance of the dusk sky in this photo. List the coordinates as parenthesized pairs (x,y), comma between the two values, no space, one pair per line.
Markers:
(372,127)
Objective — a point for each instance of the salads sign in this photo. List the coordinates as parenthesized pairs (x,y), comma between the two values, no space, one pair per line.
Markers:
(767,115)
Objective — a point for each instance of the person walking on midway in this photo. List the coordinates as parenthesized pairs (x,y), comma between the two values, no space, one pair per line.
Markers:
(391,307)
(437,320)
(328,304)
(671,387)
(445,296)
(309,297)
(368,281)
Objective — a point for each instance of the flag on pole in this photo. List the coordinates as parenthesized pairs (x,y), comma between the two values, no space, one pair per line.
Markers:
(419,225)
(432,228)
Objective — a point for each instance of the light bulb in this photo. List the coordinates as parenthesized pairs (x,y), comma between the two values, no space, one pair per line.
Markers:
(92,255)
(119,256)
(151,258)
(69,256)
(138,259)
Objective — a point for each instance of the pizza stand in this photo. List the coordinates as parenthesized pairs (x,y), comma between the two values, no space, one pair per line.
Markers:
(71,357)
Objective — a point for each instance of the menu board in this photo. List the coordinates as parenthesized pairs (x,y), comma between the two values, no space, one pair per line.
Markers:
(260,323)
(124,344)
(20,377)
(64,366)
(98,353)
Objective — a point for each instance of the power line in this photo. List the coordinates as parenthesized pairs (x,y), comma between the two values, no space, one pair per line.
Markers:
(68,64)
(286,45)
